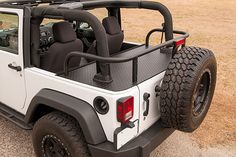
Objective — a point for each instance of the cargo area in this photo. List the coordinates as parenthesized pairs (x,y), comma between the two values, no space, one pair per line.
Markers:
(149,65)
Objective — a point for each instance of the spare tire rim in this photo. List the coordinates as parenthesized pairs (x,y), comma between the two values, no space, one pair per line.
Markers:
(53,147)
(201,93)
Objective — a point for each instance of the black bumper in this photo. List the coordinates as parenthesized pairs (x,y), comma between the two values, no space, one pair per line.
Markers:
(141,146)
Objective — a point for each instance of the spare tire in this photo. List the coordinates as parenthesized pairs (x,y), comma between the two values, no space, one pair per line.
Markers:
(187,89)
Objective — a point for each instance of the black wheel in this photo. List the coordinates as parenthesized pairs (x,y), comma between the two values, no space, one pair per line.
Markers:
(59,135)
(187,89)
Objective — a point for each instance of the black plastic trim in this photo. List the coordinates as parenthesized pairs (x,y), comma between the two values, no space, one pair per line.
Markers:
(26,37)
(111,3)
(141,146)
(82,111)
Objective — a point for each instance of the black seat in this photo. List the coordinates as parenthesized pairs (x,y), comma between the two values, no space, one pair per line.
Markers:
(115,35)
(65,42)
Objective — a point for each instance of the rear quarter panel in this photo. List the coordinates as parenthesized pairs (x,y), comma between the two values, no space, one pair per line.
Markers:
(37,79)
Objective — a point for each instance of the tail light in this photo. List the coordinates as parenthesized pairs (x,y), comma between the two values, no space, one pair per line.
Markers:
(180,42)
(125,109)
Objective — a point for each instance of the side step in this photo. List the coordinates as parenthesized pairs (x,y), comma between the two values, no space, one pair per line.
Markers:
(14,117)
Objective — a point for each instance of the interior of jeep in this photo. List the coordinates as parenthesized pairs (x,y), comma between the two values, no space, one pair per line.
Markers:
(75,43)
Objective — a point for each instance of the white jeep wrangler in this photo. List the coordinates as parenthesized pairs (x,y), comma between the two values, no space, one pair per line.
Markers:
(85,91)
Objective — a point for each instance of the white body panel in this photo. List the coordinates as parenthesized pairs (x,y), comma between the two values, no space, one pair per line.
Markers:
(154,106)
(37,79)
(12,83)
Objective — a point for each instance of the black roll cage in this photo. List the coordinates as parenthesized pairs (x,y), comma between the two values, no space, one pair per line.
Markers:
(70,9)
(167,30)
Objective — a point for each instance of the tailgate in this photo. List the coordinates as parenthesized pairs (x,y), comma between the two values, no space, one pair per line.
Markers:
(149,106)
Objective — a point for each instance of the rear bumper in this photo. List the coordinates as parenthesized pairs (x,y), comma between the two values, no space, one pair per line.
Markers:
(141,146)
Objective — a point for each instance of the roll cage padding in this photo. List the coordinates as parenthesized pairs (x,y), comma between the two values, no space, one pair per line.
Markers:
(82,111)
(35,37)
(84,16)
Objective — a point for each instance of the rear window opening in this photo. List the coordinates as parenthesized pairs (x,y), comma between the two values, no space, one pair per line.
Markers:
(137,27)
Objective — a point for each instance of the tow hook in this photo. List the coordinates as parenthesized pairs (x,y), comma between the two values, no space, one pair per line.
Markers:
(146,97)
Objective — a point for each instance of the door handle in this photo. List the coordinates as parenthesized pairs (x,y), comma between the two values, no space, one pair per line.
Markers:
(146,97)
(17,68)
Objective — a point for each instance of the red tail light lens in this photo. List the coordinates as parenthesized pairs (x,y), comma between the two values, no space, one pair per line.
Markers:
(180,42)
(125,109)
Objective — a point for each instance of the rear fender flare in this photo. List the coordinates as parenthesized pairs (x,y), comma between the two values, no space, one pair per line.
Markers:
(82,111)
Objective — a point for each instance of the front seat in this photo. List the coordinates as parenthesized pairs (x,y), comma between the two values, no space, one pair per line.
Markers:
(65,42)
(115,35)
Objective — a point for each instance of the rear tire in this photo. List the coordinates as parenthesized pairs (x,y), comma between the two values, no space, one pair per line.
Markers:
(59,135)
(187,89)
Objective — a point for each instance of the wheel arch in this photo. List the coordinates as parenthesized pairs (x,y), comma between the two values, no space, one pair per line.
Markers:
(48,100)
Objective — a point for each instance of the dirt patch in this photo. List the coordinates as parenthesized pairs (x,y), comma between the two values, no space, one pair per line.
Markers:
(14,142)
(181,145)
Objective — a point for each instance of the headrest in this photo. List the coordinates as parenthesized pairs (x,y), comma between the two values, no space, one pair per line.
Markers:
(111,25)
(63,32)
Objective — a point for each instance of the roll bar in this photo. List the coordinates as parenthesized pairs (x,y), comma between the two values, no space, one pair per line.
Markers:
(81,15)
(133,57)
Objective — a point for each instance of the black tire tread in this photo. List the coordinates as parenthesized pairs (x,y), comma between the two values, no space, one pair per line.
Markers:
(176,85)
(70,127)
